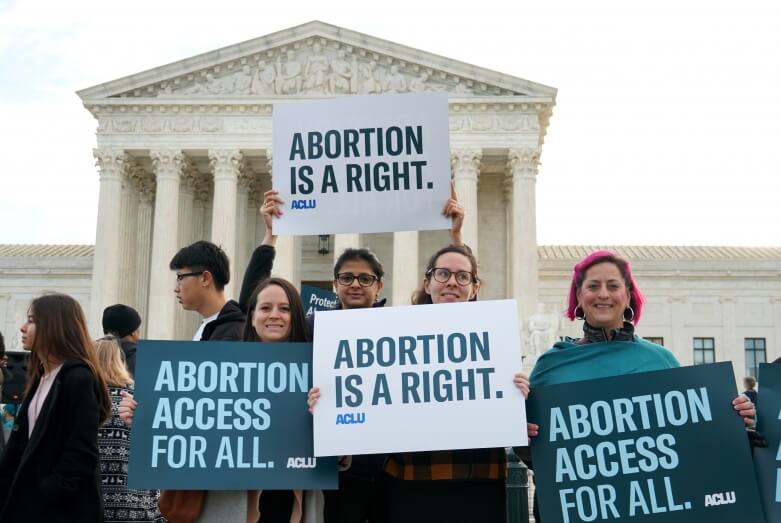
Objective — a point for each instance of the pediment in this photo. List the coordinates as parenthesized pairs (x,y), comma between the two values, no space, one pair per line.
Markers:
(312,60)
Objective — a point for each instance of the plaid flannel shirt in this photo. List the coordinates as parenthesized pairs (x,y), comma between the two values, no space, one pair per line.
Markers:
(448,465)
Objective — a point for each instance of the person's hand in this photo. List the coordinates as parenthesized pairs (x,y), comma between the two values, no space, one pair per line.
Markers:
(312,397)
(270,210)
(532,430)
(454,211)
(521,381)
(745,409)
(127,406)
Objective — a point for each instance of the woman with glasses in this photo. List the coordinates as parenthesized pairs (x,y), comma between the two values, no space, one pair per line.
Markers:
(449,485)
(49,470)
(358,283)
(120,503)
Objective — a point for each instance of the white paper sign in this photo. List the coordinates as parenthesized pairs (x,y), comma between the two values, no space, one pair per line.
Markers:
(362,164)
(420,377)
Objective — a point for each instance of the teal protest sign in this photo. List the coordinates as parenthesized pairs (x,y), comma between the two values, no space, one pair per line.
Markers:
(317,299)
(225,416)
(663,446)
(767,460)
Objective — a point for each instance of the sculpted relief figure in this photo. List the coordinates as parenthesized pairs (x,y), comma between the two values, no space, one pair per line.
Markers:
(264,80)
(419,84)
(369,82)
(542,331)
(394,81)
(316,71)
(289,75)
(243,81)
(340,79)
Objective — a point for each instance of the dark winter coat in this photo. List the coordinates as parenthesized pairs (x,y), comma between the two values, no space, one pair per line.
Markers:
(53,475)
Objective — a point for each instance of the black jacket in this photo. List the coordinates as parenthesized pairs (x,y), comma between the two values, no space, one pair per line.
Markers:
(227,326)
(53,475)
(129,350)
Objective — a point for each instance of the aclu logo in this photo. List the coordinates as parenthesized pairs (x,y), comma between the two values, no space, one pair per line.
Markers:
(351,419)
(301,463)
(303,204)
(724,498)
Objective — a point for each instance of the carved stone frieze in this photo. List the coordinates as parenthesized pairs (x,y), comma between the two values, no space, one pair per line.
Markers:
(317,66)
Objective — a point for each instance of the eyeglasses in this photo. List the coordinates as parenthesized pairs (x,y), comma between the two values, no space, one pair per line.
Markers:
(442,275)
(183,275)
(364,279)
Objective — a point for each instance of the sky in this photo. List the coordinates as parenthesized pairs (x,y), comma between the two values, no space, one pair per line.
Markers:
(666,130)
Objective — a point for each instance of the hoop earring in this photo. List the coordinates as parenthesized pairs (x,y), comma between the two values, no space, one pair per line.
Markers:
(631,314)
(579,315)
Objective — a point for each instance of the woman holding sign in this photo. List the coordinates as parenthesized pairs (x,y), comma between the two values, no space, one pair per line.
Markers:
(275,314)
(452,485)
(605,295)
(49,470)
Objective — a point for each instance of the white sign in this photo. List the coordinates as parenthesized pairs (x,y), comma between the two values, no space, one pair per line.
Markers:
(420,377)
(362,164)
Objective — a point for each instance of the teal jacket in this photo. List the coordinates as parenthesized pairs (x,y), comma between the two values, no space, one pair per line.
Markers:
(569,361)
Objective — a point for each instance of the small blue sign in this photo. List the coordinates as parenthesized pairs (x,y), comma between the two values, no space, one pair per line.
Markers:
(317,299)
(225,416)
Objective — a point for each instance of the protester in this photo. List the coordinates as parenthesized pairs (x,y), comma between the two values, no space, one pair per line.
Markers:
(120,503)
(749,382)
(202,270)
(49,471)
(276,314)
(605,295)
(358,282)
(124,322)
(453,486)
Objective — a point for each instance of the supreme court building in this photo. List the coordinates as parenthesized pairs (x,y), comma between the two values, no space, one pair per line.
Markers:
(184,153)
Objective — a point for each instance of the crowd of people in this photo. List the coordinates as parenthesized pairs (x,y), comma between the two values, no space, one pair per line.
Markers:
(67,455)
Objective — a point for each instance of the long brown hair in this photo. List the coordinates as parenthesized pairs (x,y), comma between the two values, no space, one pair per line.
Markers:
(61,333)
(111,362)
(420,296)
(299,328)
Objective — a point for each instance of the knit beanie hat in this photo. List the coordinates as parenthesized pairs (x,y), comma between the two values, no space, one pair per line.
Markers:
(120,320)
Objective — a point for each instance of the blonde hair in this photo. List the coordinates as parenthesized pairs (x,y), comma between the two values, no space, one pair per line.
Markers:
(112,363)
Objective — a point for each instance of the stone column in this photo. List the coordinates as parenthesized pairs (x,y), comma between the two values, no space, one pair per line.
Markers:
(507,194)
(226,166)
(242,226)
(129,276)
(111,165)
(774,345)
(406,266)
(146,193)
(680,345)
(184,320)
(730,347)
(465,164)
(168,168)
(345,241)
(287,263)
(522,164)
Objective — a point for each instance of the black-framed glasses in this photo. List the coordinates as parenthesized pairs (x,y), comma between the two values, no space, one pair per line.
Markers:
(442,275)
(364,279)
(182,275)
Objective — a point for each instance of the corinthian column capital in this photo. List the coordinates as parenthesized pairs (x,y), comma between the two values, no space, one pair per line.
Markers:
(112,164)
(168,163)
(226,163)
(465,163)
(523,161)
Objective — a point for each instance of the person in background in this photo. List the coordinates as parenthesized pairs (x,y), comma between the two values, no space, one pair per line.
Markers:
(49,470)
(749,382)
(124,322)
(120,503)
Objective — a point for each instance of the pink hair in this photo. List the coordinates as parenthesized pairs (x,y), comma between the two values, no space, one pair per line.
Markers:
(636,298)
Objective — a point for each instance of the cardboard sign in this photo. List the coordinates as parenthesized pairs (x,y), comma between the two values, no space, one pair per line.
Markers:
(421,377)
(663,446)
(767,461)
(224,416)
(361,164)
